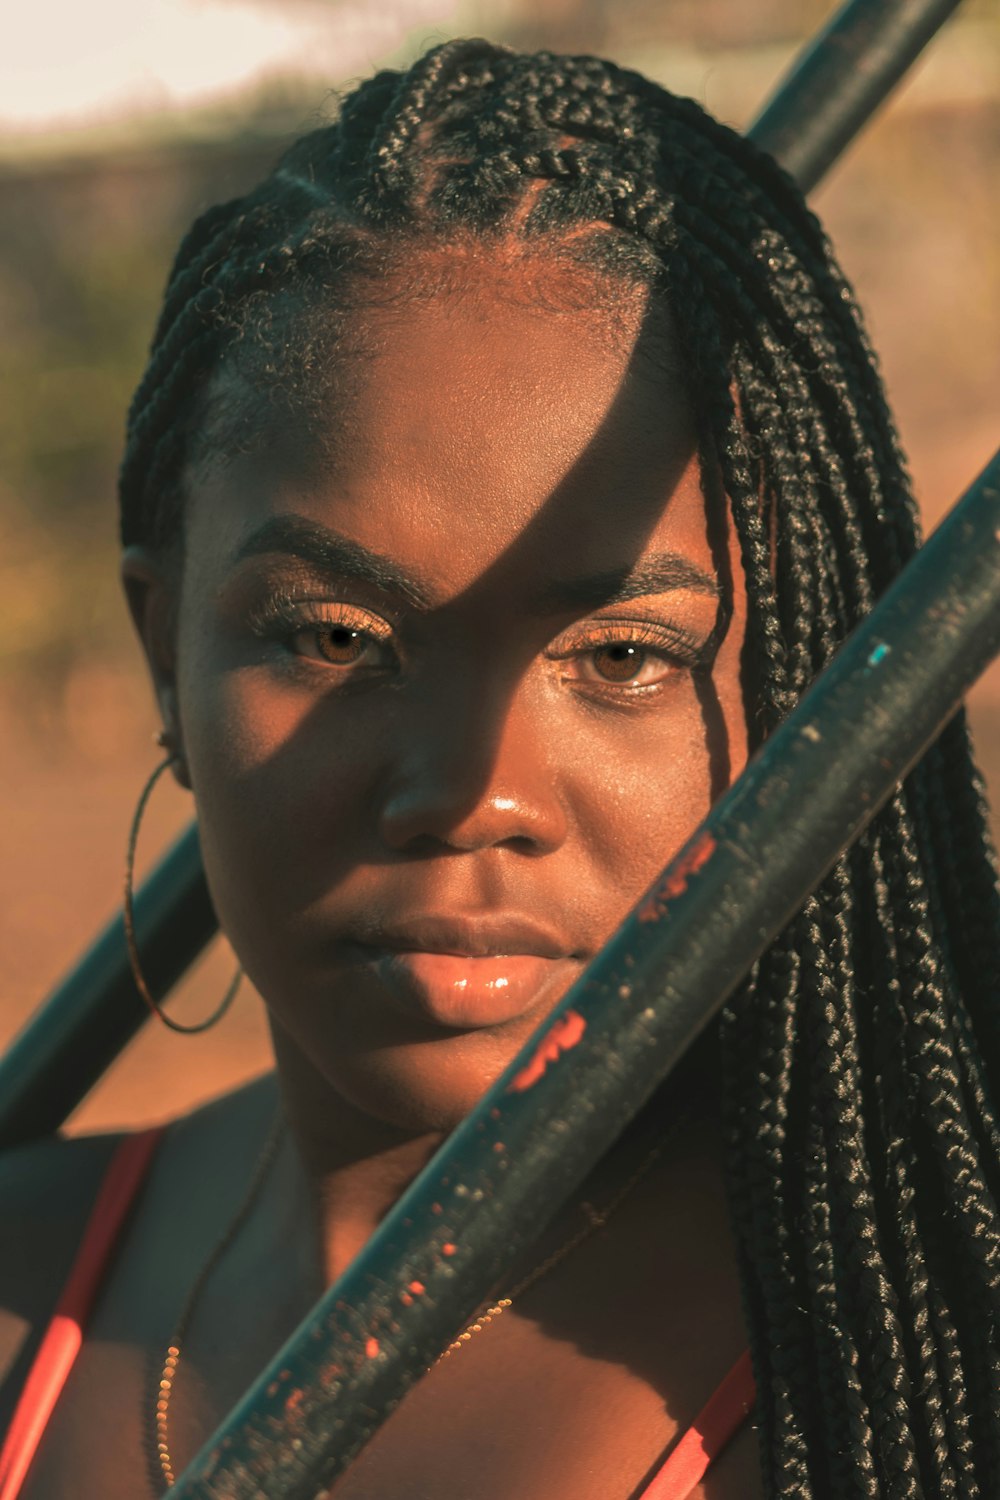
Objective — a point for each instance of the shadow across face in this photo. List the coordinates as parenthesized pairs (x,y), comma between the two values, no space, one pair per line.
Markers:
(470,653)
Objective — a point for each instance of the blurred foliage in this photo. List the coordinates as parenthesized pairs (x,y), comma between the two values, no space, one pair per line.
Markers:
(84,252)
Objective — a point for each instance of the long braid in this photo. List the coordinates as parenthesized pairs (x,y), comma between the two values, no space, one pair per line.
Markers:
(861,1057)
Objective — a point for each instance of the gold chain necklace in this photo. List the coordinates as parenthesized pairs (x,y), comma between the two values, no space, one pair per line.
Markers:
(596,1219)
(165,1385)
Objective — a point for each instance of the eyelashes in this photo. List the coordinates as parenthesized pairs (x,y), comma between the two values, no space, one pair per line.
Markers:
(344,636)
(623,658)
(627,653)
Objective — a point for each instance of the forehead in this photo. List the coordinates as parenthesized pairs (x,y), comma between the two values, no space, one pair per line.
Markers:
(478,431)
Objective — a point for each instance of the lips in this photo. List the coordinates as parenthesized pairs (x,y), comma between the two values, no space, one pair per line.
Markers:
(465,973)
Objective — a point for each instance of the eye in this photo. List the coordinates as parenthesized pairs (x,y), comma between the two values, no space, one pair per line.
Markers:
(623,663)
(341,645)
(629,656)
(347,637)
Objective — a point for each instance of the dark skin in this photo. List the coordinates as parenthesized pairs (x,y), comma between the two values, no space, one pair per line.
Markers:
(448,686)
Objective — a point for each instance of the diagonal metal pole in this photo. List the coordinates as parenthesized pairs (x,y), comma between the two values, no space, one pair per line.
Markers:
(95,1011)
(90,1017)
(591,1065)
(839,81)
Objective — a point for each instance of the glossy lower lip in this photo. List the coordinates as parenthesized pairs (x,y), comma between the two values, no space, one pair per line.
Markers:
(462,993)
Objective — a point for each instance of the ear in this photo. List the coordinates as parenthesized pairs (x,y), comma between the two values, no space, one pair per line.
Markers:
(152,588)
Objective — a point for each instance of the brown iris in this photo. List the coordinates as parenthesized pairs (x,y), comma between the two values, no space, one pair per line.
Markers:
(341,645)
(619,662)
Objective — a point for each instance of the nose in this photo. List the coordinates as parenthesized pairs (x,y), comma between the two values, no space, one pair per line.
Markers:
(456,786)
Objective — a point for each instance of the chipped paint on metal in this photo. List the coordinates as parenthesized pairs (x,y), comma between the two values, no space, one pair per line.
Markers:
(675,881)
(293,1404)
(563,1034)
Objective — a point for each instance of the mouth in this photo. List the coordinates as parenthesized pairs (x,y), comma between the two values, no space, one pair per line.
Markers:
(467,973)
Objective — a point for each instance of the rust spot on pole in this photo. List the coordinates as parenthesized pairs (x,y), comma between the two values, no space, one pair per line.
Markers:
(564,1034)
(675,881)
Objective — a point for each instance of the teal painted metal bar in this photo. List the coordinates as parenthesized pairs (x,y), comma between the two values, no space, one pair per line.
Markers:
(841,79)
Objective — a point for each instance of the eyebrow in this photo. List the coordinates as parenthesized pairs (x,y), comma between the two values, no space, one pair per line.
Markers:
(660,573)
(338,556)
(334,555)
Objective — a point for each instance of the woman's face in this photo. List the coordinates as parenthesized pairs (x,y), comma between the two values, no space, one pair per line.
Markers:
(452,680)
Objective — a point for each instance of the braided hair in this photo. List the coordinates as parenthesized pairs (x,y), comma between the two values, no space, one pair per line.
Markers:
(861,1057)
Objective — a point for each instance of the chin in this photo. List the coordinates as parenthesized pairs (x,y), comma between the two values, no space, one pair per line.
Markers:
(417,1084)
(400,1069)
(429,1086)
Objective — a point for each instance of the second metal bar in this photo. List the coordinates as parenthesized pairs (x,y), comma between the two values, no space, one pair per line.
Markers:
(836,85)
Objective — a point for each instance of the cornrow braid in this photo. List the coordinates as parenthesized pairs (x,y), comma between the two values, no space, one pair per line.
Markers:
(860,1058)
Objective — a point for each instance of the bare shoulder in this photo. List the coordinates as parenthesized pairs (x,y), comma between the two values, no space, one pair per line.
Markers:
(47,1189)
(47,1193)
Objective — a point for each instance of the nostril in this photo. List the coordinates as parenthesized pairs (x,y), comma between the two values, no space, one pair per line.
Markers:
(522,845)
(427,845)
(421,845)
(424,821)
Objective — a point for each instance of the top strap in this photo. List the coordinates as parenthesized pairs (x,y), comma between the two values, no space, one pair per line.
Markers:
(716,1423)
(64,1335)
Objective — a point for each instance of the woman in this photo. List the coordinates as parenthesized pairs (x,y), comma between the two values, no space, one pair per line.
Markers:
(507,464)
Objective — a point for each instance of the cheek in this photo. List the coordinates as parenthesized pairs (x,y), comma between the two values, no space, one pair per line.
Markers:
(639,794)
(643,787)
(280,792)
(275,774)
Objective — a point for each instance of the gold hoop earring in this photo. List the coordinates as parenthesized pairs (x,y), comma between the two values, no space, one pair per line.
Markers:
(130,942)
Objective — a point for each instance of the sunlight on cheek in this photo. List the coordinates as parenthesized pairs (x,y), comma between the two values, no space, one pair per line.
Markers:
(238,725)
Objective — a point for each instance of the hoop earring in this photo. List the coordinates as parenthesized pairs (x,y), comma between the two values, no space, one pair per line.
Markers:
(130,942)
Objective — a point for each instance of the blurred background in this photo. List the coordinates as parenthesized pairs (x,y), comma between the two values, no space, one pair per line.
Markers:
(121,119)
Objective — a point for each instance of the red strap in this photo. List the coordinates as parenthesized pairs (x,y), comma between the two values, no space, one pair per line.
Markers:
(704,1441)
(686,1464)
(64,1334)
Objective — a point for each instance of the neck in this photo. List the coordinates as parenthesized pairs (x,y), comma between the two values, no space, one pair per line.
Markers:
(346,1169)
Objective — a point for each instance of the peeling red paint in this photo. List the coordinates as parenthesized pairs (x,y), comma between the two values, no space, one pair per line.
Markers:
(562,1035)
(292,1405)
(691,860)
(371,1348)
(448,1249)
